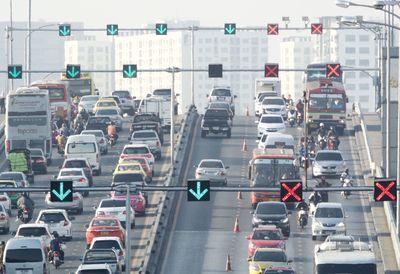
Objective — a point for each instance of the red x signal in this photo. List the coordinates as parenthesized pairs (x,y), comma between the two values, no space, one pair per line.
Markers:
(385,190)
(273,29)
(333,70)
(316,28)
(291,191)
(271,70)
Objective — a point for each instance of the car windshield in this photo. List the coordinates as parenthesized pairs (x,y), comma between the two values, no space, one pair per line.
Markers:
(270,208)
(97,133)
(107,112)
(221,92)
(211,164)
(162,92)
(271,120)
(36,152)
(107,104)
(329,157)
(7,185)
(94,271)
(271,101)
(269,172)
(128,177)
(122,94)
(113,203)
(24,255)
(145,118)
(106,244)
(132,167)
(270,256)
(80,148)
(329,212)
(147,134)
(136,150)
(273,271)
(52,217)
(102,256)
(32,232)
(216,113)
(105,222)
(219,105)
(11,176)
(89,98)
(71,173)
(98,120)
(141,161)
(75,164)
(267,235)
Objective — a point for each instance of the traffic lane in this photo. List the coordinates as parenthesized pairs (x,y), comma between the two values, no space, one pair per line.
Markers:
(202,233)
(77,246)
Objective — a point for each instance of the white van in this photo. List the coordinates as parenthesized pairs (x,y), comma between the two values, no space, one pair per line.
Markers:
(276,140)
(84,146)
(25,255)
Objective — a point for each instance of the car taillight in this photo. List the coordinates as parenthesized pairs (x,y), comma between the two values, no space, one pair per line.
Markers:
(3,199)
(124,212)
(199,172)
(82,180)
(148,155)
(123,156)
(101,213)
(75,198)
(120,253)
(158,144)
(66,223)
(8,146)
(97,157)
(56,253)
(221,173)
(2,217)
(39,161)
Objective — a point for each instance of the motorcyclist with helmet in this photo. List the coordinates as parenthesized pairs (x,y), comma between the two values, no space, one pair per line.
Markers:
(112,131)
(55,246)
(24,201)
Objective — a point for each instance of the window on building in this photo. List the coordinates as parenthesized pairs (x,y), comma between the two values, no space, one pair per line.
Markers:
(363,98)
(224,50)
(306,51)
(351,99)
(364,62)
(350,38)
(254,41)
(350,75)
(364,38)
(363,75)
(364,50)
(350,86)
(245,59)
(350,50)
(208,40)
(363,87)
(350,62)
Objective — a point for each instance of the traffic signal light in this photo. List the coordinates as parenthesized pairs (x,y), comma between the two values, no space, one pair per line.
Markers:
(273,29)
(198,190)
(291,191)
(161,29)
(61,191)
(112,29)
(64,30)
(385,190)
(129,71)
(333,70)
(215,70)
(230,28)
(73,71)
(14,72)
(316,28)
(271,70)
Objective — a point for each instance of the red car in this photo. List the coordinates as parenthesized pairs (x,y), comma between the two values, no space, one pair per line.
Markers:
(104,226)
(279,270)
(267,236)
(138,202)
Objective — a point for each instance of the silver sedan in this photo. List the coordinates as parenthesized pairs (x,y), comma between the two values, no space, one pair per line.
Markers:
(213,170)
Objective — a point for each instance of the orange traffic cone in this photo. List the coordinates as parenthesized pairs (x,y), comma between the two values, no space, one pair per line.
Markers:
(244,148)
(236,228)
(228,263)
(239,195)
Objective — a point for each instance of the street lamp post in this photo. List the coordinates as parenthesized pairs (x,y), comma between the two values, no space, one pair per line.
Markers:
(29,58)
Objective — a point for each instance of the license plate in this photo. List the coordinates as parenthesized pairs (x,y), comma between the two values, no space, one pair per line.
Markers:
(24,271)
(215,128)
(24,215)
(104,233)
(220,98)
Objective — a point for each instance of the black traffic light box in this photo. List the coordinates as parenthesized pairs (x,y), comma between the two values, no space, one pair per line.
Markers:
(385,190)
(291,191)
(198,190)
(215,70)
(61,191)
(14,71)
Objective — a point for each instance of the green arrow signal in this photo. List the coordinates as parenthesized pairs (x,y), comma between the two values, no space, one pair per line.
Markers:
(73,73)
(61,194)
(112,29)
(64,30)
(14,72)
(161,29)
(230,29)
(130,71)
(198,194)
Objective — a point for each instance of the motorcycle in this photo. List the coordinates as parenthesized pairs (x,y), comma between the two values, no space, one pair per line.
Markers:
(111,140)
(291,121)
(332,143)
(322,142)
(291,117)
(24,215)
(54,257)
(299,118)
(347,183)
(302,218)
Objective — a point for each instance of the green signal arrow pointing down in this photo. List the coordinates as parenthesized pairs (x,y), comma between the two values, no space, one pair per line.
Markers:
(72,72)
(198,194)
(64,31)
(230,29)
(14,73)
(61,195)
(161,29)
(130,72)
(112,30)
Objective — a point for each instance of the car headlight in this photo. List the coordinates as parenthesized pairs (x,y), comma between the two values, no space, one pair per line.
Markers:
(316,165)
(255,267)
(341,224)
(285,220)
(257,220)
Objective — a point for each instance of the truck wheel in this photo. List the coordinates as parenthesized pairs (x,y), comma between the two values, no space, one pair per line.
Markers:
(228,134)
(203,134)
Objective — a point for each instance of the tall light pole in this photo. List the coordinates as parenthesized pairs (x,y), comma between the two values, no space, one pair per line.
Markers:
(28,59)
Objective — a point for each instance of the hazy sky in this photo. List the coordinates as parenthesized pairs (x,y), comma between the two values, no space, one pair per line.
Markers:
(134,13)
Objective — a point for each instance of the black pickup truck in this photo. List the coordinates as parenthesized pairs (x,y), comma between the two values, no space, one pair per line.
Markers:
(147,121)
(216,121)
(98,122)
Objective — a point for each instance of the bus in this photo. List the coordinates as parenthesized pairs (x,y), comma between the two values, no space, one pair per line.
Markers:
(266,169)
(344,257)
(60,100)
(80,87)
(28,120)
(314,72)
(326,103)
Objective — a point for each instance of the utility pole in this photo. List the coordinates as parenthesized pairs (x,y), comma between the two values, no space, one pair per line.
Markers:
(29,51)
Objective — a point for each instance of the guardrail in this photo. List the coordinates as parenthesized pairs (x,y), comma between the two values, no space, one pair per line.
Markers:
(159,230)
(378,172)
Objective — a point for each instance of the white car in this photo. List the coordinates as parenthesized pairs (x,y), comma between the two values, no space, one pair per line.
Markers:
(94,268)
(5,201)
(114,115)
(19,177)
(141,150)
(148,137)
(87,102)
(213,170)
(222,94)
(270,123)
(35,230)
(116,208)
(110,242)
(76,204)
(77,176)
(328,219)
(328,163)
(57,220)
(100,138)
(4,220)
(274,105)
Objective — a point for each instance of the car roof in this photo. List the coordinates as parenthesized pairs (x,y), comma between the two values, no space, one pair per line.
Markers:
(26,242)
(53,211)
(271,203)
(270,249)
(105,217)
(136,145)
(109,238)
(329,151)
(273,97)
(94,267)
(75,159)
(91,130)
(329,205)
(271,115)
(145,130)
(211,160)
(128,172)
(34,225)
(72,169)
(267,227)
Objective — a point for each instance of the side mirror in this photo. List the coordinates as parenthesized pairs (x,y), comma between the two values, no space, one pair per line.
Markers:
(54,177)
(148,95)
(347,99)
(257,141)
(207,95)
(95,208)
(195,166)
(249,259)
(129,138)
(14,233)
(227,167)
(71,218)
(86,225)
(177,94)
(290,261)
(256,122)
(234,96)
(248,237)
(252,212)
